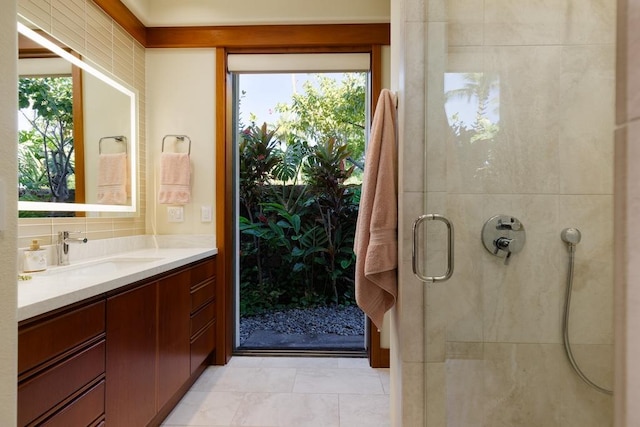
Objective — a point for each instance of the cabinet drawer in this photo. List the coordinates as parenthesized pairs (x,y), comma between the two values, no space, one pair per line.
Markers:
(41,393)
(203,316)
(44,340)
(204,271)
(202,345)
(202,294)
(84,411)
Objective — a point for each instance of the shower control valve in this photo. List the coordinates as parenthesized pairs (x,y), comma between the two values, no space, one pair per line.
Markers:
(510,223)
(503,235)
(502,243)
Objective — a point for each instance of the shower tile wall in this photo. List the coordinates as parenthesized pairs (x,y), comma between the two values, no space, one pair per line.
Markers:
(492,350)
(88,30)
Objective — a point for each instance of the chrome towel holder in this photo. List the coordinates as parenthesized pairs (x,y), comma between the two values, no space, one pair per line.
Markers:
(117,138)
(180,138)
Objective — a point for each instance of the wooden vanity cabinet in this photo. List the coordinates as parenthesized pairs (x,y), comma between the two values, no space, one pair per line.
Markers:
(174,355)
(121,359)
(61,367)
(203,314)
(150,351)
(131,356)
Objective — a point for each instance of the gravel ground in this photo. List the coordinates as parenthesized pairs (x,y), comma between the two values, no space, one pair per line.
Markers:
(319,320)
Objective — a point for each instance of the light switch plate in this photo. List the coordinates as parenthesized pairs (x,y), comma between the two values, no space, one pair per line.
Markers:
(205,213)
(175,213)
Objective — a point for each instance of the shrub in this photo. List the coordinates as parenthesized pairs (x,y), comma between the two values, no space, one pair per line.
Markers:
(297,223)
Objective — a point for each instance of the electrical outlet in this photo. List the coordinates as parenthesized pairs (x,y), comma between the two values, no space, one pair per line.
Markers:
(205,213)
(175,213)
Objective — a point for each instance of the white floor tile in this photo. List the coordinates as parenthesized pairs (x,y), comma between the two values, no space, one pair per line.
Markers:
(357,410)
(274,380)
(300,362)
(287,392)
(385,379)
(199,408)
(288,410)
(350,381)
(353,362)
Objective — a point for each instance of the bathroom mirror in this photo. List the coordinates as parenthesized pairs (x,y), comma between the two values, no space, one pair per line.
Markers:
(105,127)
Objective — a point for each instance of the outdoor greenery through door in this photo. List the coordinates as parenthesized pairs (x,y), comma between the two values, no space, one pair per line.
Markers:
(299,180)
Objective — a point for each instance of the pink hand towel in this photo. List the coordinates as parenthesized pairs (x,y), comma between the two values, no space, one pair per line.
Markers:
(175,179)
(376,239)
(112,179)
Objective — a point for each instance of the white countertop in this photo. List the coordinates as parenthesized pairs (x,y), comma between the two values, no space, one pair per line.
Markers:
(60,286)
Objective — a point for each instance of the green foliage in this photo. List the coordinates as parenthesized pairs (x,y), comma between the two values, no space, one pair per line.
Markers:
(297,239)
(47,104)
(330,110)
(259,156)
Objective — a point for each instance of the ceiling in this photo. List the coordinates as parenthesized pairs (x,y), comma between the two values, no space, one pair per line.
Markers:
(161,13)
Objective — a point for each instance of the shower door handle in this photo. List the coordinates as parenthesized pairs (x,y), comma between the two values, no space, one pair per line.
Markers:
(415,255)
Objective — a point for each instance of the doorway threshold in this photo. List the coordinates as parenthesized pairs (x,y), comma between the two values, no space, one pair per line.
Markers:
(300,353)
(265,341)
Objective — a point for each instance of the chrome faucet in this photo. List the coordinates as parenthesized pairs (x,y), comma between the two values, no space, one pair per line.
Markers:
(64,240)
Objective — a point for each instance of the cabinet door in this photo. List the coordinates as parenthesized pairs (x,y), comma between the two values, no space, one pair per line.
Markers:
(131,356)
(173,335)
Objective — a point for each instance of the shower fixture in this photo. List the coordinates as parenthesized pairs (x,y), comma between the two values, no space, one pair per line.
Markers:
(572,236)
(503,235)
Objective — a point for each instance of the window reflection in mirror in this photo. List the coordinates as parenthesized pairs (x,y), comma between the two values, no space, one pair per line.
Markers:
(67,108)
(46,138)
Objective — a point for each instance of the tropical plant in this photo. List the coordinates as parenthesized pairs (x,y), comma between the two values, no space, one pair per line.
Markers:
(326,172)
(46,103)
(259,155)
(329,110)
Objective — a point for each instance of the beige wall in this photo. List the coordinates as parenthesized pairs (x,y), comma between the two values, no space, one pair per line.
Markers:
(186,106)
(627,211)
(8,214)
(492,352)
(85,28)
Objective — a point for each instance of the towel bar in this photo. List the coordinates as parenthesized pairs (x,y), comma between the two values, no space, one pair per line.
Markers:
(117,138)
(179,138)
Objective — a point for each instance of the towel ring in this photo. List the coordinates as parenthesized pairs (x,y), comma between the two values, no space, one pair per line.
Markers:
(118,138)
(179,138)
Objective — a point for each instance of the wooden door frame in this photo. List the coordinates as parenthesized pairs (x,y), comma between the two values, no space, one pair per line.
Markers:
(378,356)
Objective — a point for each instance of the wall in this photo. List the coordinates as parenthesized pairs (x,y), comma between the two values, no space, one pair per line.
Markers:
(8,214)
(627,190)
(186,106)
(492,352)
(85,28)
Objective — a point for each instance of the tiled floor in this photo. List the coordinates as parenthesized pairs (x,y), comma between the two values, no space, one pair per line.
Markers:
(287,391)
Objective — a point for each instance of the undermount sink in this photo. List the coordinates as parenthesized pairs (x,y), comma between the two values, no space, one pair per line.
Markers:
(107,266)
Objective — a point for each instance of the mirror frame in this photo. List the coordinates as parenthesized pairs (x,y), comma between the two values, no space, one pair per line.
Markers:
(133,146)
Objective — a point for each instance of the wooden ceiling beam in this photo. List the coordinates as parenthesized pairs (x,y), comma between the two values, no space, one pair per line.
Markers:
(257,36)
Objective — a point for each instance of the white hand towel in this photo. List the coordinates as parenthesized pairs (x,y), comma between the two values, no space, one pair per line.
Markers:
(112,179)
(175,179)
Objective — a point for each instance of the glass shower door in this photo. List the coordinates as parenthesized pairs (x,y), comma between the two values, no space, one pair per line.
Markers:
(519,132)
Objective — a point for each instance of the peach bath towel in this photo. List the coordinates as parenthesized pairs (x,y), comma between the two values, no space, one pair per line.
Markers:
(112,179)
(376,239)
(175,179)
